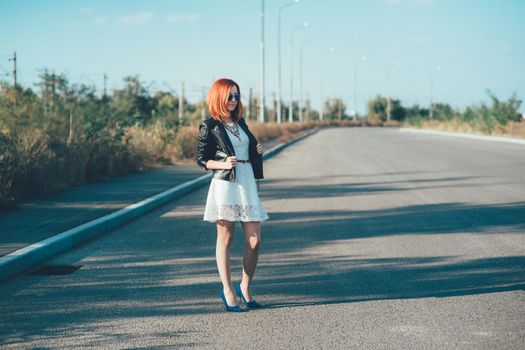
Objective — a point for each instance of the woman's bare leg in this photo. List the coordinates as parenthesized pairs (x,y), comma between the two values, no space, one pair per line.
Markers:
(252,239)
(222,254)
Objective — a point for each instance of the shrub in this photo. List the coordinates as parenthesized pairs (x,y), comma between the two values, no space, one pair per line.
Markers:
(516,129)
(25,164)
(184,146)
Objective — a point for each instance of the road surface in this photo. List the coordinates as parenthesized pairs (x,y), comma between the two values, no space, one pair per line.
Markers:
(376,240)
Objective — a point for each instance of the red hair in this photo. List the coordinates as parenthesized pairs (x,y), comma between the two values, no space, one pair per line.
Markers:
(218,98)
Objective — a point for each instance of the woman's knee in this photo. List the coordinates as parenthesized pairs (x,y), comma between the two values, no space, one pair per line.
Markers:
(225,233)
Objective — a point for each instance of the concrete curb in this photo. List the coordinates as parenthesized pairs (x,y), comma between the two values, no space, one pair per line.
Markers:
(506,139)
(23,259)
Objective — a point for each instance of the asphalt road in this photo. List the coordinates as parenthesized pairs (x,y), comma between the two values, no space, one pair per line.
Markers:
(377,240)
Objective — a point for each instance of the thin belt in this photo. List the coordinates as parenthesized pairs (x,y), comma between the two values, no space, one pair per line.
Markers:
(243,161)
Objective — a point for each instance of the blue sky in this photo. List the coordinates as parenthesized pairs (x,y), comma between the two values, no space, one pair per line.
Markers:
(477,45)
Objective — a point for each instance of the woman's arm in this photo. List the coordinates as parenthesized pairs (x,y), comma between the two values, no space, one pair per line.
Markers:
(204,146)
(229,163)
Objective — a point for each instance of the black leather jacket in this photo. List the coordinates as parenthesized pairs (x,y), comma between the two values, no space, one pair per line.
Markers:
(214,143)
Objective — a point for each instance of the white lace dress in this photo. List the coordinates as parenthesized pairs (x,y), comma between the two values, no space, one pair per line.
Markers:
(236,200)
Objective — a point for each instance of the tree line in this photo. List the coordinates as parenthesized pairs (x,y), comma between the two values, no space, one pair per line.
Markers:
(63,134)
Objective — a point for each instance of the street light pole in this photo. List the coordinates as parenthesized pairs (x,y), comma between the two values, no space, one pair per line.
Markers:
(431,114)
(321,109)
(364,58)
(388,102)
(261,104)
(290,110)
(279,57)
(301,79)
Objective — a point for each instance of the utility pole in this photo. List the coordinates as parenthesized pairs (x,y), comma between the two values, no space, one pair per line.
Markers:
(14,69)
(301,101)
(388,101)
(70,133)
(45,93)
(364,58)
(431,113)
(105,85)
(181,101)
(308,108)
(290,111)
(14,76)
(279,57)
(274,104)
(261,104)
(339,109)
(432,92)
(321,110)
(53,89)
(250,104)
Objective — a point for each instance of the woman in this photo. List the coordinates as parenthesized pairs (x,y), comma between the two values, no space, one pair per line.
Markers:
(227,147)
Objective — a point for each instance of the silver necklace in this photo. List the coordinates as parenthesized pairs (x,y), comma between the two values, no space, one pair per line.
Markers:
(234,129)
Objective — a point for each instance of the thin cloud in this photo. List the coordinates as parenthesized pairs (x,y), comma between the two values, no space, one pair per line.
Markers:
(99,21)
(86,10)
(506,48)
(424,2)
(75,24)
(420,40)
(182,18)
(135,20)
(411,2)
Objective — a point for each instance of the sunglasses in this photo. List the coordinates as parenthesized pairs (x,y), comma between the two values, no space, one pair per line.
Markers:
(234,96)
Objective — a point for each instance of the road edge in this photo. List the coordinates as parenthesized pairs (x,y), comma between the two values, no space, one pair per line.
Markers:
(506,139)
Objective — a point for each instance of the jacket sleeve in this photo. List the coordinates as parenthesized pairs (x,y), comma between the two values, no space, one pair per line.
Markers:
(204,146)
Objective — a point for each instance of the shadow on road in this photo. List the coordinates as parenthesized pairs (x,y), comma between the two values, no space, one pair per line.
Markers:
(273,188)
(168,268)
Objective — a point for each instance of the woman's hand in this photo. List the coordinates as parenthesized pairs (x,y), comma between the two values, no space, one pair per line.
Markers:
(231,162)
(260,148)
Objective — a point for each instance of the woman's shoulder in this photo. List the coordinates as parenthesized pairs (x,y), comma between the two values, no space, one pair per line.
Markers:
(209,123)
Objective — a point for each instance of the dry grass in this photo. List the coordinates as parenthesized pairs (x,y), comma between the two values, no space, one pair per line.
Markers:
(31,163)
(25,164)
(146,143)
(373,121)
(184,147)
(515,129)
(392,123)
(283,132)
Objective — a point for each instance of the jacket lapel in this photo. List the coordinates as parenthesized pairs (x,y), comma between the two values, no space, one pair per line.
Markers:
(222,136)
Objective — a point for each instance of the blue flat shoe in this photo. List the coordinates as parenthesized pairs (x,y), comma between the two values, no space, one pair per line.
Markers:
(250,304)
(229,308)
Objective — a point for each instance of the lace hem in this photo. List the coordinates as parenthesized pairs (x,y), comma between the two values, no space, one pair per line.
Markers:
(235,212)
